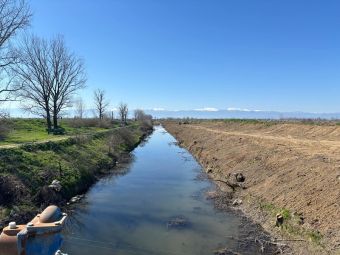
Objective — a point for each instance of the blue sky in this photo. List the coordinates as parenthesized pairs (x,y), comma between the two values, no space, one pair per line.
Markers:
(189,54)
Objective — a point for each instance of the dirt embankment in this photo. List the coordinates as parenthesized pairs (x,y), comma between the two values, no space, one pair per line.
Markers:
(290,168)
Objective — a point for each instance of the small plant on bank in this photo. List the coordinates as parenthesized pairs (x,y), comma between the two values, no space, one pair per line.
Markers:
(286,214)
(315,237)
(292,224)
(59,131)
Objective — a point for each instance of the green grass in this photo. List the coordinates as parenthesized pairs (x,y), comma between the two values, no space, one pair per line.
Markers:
(251,121)
(315,237)
(273,210)
(26,130)
(291,224)
(34,130)
(75,162)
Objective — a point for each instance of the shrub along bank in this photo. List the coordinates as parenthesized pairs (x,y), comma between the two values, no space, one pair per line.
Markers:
(26,172)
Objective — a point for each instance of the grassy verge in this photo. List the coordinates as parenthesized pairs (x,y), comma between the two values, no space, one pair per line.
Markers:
(293,223)
(34,130)
(26,171)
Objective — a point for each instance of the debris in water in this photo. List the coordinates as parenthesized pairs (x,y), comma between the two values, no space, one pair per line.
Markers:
(76,199)
(178,222)
(60,253)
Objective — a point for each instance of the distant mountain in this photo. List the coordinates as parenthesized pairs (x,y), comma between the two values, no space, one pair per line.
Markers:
(239,114)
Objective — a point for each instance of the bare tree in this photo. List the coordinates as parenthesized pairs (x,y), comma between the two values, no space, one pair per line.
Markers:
(100,102)
(123,111)
(47,75)
(138,113)
(33,74)
(15,15)
(68,77)
(80,108)
(144,119)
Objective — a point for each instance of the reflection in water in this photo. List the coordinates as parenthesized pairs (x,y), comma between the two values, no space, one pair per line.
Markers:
(129,213)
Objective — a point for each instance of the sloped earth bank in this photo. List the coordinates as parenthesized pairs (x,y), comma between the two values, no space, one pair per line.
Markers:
(155,203)
(290,169)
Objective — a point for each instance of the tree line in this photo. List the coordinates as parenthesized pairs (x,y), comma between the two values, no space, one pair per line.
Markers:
(102,104)
(43,74)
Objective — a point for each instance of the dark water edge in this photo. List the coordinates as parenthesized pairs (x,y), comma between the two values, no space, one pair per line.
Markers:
(133,210)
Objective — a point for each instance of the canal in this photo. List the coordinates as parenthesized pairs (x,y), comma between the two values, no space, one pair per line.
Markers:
(154,205)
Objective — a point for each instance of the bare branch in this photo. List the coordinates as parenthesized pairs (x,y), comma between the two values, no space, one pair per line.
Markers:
(100,102)
(68,74)
(33,75)
(15,15)
(80,108)
(48,75)
(123,111)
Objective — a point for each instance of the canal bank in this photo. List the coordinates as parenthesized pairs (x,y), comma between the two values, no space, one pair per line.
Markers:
(33,176)
(156,203)
(289,173)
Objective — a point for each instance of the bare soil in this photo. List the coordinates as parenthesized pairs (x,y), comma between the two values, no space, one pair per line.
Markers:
(289,168)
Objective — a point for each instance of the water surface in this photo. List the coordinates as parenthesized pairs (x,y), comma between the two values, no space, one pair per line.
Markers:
(129,213)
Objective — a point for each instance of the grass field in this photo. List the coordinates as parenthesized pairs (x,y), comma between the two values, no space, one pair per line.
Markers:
(34,130)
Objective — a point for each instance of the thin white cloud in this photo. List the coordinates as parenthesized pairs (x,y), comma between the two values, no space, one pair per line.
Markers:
(158,109)
(207,109)
(241,109)
(238,109)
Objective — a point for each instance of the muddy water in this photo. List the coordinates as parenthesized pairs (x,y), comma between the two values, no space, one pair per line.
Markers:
(131,213)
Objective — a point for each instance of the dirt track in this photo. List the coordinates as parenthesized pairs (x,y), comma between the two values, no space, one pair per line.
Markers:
(290,166)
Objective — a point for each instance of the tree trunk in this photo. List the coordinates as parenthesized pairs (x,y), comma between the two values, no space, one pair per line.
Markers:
(55,118)
(55,121)
(48,116)
(48,120)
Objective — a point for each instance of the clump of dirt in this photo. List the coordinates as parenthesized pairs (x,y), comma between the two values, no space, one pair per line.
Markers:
(287,168)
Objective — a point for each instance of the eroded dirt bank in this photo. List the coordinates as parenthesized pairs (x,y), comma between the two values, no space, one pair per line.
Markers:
(291,169)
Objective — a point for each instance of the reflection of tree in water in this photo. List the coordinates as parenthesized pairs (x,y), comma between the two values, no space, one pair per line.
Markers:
(123,165)
(73,224)
(144,141)
(77,233)
(75,211)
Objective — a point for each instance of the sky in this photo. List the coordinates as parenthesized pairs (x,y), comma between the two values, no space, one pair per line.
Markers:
(196,54)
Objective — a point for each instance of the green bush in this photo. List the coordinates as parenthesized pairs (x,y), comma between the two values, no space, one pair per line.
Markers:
(58,131)
(5,128)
